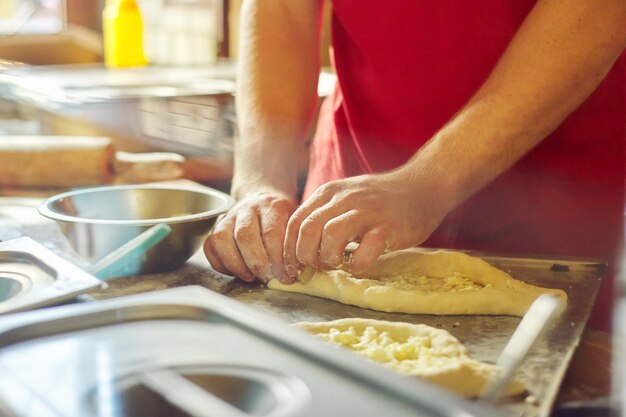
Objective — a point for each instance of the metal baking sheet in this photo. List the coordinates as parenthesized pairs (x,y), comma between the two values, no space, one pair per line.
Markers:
(485,336)
(103,358)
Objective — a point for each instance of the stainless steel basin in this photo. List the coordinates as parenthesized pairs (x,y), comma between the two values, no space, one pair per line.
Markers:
(236,390)
(33,276)
(192,352)
(10,285)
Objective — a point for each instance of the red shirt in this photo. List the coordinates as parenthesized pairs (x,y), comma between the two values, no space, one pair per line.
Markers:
(404,68)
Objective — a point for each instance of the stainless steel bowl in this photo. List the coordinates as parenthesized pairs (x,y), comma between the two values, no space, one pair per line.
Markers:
(98,220)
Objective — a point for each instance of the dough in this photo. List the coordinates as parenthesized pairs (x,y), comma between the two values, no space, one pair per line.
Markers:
(416,350)
(418,281)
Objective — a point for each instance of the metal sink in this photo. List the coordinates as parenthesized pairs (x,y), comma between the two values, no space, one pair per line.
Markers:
(192,352)
(234,390)
(11,284)
(33,276)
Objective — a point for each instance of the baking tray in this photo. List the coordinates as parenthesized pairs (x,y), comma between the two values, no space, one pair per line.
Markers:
(110,358)
(485,336)
(33,276)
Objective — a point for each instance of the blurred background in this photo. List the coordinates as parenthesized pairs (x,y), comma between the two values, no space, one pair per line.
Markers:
(194,32)
(54,81)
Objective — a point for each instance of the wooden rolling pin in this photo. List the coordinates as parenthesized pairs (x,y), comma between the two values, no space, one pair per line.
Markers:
(72,161)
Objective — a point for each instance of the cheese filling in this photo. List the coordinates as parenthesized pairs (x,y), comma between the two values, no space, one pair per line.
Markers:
(413,355)
(412,281)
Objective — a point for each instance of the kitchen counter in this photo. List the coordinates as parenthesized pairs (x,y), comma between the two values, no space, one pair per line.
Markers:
(585,388)
(586,382)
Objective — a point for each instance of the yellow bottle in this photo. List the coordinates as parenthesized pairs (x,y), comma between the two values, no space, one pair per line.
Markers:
(122,30)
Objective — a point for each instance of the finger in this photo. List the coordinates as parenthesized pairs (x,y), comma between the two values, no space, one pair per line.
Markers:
(211,253)
(337,233)
(224,248)
(213,258)
(292,264)
(372,245)
(310,235)
(247,233)
(289,247)
(273,227)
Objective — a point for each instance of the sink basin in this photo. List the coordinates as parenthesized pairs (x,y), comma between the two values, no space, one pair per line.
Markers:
(234,389)
(192,352)
(33,276)
(10,285)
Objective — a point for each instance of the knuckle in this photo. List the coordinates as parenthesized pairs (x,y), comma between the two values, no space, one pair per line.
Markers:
(378,234)
(297,217)
(270,233)
(218,235)
(280,205)
(333,186)
(308,226)
(333,228)
(266,200)
(244,235)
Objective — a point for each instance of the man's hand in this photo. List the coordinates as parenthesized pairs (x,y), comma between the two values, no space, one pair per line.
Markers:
(556,59)
(381,212)
(277,75)
(248,240)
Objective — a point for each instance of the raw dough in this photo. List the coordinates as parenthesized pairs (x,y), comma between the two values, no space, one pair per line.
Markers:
(416,350)
(418,281)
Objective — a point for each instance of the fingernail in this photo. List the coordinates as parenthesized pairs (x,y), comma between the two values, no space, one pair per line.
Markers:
(292,271)
(287,280)
(269,275)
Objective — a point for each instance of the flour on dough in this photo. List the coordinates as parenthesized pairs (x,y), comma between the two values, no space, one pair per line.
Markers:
(419,281)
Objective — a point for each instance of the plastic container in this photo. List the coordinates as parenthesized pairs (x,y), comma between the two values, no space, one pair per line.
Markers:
(122,29)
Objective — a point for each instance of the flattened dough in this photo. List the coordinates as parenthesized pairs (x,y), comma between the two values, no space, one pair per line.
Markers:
(416,350)
(418,281)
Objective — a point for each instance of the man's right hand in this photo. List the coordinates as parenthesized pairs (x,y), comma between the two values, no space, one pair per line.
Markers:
(248,240)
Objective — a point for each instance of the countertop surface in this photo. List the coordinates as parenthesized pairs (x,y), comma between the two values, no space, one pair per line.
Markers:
(585,386)
(584,392)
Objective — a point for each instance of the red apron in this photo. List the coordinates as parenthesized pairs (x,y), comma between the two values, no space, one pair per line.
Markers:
(405,67)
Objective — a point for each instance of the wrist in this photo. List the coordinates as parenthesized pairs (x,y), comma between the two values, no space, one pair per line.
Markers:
(242,189)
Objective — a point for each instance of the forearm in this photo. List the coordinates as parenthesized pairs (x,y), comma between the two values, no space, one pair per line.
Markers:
(558,57)
(278,69)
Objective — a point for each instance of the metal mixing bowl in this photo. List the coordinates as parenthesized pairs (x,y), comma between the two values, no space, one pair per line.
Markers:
(98,220)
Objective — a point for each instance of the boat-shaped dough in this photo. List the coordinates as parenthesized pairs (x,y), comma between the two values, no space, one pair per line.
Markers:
(418,281)
(417,350)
